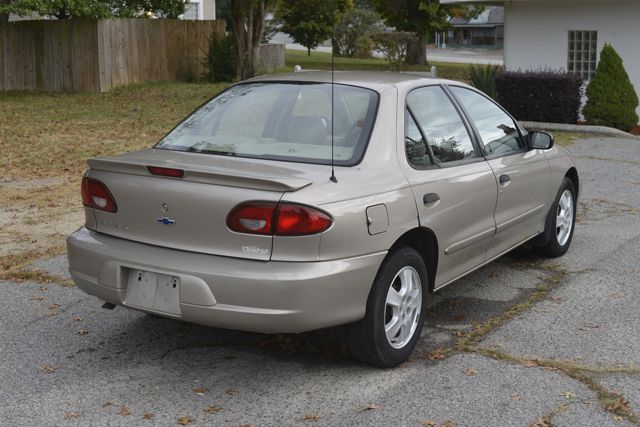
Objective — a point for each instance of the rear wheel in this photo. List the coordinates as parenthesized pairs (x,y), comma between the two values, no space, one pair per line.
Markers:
(395,311)
(560,223)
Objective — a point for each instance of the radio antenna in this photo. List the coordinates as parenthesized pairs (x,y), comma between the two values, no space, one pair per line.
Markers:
(333,172)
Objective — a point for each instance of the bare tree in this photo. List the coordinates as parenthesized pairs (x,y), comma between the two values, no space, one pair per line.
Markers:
(248,27)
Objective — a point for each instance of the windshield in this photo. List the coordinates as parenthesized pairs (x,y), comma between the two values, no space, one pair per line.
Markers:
(280,121)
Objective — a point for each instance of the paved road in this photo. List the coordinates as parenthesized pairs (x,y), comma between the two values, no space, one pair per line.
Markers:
(558,356)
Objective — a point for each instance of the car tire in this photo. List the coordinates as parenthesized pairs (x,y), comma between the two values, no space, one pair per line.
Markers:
(398,296)
(560,222)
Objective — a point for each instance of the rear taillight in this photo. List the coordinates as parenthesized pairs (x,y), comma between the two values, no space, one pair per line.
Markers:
(173,173)
(284,219)
(96,195)
(252,218)
(297,220)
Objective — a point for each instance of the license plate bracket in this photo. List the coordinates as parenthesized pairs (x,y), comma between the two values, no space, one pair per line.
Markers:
(154,291)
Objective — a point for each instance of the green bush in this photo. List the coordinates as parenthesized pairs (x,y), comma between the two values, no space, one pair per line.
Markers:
(351,36)
(394,46)
(220,60)
(612,100)
(483,77)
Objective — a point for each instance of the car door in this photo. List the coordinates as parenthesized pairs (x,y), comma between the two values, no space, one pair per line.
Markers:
(522,175)
(454,187)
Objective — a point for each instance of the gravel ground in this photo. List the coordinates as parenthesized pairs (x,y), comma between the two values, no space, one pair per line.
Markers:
(66,361)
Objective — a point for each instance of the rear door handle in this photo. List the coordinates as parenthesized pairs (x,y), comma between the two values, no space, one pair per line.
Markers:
(504,179)
(430,198)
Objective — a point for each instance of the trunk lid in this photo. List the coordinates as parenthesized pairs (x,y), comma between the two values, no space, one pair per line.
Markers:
(190,213)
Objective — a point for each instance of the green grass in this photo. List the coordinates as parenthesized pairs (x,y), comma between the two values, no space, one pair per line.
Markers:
(322,61)
(566,139)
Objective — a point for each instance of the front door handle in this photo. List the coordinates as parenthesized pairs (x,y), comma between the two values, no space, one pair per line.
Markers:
(504,179)
(430,198)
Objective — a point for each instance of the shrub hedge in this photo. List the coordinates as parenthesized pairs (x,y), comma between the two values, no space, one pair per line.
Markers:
(540,96)
(612,98)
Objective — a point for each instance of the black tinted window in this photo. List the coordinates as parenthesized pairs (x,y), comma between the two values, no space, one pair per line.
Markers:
(498,132)
(441,124)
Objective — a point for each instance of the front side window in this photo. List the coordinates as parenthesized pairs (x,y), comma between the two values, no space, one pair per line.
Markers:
(583,50)
(498,132)
(445,133)
(280,121)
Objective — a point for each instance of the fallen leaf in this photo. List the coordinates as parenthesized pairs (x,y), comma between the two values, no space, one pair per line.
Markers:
(49,369)
(459,317)
(470,372)
(516,398)
(82,332)
(567,395)
(448,423)
(617,418)
(53,313)
(429,423)
(619,405)
(541,422)
(556,300)
(618,295)
(436,355)
(370,407)
(213,409)
(70,415)
(231,391)
(494,275)
(78,319)
(183,421)
(200,390)
(107,404)
(311,417)
(550,368)
(53,306)
(37,298)
(147,416)
(460,333)
(530,364)
(124,411)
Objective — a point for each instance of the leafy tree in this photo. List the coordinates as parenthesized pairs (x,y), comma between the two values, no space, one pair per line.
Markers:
(96,9)
(421,17)
(612,98)
(310,22)
(352,35)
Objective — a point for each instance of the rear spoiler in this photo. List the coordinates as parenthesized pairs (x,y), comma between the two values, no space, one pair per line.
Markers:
(217,175)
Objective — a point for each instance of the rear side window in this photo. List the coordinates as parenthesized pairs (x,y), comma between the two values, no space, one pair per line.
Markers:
(280,121)
(497,130)
(446,135)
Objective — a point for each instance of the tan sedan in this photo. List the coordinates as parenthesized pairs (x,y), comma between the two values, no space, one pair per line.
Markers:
(273,208)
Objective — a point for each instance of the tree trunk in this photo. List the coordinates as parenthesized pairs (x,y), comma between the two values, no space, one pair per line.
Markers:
(417,51)
(308,51)
(248,27)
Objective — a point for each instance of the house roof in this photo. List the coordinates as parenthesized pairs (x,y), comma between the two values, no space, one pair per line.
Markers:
(490,17)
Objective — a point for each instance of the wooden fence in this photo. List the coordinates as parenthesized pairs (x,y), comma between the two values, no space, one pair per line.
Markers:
(96,56)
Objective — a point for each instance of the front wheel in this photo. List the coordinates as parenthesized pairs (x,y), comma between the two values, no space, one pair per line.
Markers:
(395,311)
(560,223)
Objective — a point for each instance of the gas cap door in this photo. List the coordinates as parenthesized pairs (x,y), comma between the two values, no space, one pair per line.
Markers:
(377,219)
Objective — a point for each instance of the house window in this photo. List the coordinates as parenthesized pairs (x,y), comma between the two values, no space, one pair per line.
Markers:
(191,11)
(583,49)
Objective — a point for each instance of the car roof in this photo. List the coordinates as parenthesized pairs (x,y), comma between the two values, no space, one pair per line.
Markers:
(376,80)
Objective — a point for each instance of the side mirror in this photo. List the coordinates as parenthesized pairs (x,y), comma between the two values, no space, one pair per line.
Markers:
(540,140)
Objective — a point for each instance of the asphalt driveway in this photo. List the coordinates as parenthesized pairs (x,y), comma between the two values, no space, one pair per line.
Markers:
(523,341)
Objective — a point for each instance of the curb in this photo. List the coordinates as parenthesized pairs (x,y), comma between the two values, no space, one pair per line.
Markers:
(560,127)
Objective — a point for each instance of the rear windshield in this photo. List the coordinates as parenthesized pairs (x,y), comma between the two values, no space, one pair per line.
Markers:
(280,121)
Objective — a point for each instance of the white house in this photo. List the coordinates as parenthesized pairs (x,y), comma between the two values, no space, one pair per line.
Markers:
(199,9)
(569,34)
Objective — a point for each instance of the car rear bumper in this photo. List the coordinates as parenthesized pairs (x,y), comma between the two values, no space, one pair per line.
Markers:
(276,297)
